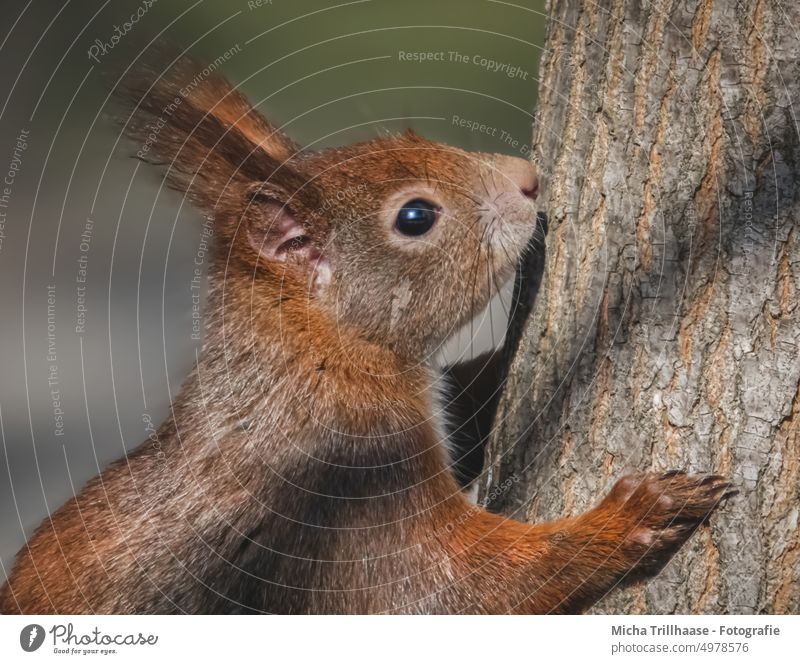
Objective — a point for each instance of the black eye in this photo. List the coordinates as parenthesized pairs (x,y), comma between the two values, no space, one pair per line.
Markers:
(416,217)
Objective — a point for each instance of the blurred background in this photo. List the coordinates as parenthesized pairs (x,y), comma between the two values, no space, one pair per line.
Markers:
(96,258)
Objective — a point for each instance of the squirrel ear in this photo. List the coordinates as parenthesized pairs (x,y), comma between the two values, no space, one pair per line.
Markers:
(190,121)
(276,235)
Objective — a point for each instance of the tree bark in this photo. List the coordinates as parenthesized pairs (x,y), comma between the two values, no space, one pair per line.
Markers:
(666,331)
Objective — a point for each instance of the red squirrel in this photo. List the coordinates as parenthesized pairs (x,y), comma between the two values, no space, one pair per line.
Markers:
(303,467)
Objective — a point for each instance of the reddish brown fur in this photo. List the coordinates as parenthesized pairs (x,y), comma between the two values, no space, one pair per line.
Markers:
(302,468)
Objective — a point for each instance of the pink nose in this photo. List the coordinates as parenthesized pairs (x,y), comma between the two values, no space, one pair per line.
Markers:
(533,190)
(520,173)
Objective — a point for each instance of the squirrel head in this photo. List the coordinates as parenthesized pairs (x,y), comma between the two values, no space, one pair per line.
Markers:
(398,239)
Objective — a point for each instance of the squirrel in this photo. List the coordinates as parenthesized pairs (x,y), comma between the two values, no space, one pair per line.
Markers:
(303,467)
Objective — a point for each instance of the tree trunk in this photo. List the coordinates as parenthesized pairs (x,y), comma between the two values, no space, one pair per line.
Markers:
(667,328)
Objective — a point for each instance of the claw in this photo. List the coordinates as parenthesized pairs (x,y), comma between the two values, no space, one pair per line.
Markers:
(722,487)
(709,479)
(673,473)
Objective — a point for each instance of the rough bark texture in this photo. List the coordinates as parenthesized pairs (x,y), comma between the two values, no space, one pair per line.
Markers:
(666,333)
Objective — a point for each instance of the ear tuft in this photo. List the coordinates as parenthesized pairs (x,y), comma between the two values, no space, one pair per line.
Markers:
(188,119)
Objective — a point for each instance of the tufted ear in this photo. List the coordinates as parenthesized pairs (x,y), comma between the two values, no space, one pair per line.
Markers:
(189,121)
(276,233)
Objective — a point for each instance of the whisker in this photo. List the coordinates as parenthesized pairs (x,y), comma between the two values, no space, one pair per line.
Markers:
(489,285)
(476,201)
(474,286)
(483,182)
(494,277)
(518,274)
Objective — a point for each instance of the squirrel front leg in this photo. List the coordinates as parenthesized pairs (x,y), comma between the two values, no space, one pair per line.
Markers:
(567,565)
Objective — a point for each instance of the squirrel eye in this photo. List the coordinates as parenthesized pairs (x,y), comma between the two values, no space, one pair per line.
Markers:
(416,217)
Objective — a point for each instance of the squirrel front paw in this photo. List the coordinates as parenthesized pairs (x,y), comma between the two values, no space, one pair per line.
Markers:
(659,511)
